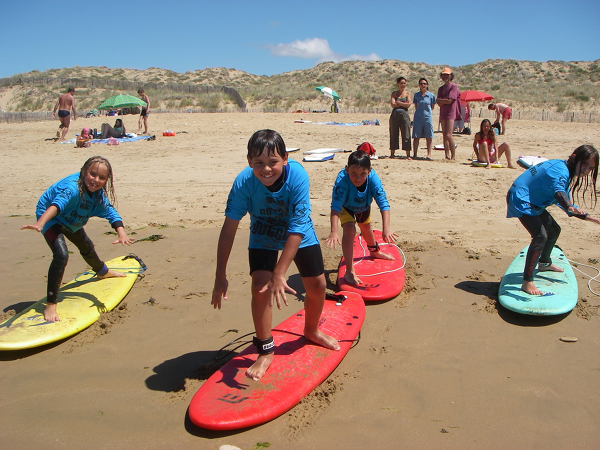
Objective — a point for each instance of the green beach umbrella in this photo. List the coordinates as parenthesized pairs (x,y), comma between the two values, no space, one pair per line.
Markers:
(122,101)
(328,92)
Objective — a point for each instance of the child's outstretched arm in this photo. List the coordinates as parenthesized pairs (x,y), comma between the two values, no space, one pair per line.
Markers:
(49,214)
(226,239)
(122,237)
(333,237)
(387,234)
(277,284)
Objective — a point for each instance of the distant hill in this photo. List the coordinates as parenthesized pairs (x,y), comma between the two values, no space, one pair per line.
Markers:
(362,85)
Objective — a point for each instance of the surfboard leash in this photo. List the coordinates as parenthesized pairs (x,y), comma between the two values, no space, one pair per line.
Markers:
(361,239)
(574,265)
(237,341)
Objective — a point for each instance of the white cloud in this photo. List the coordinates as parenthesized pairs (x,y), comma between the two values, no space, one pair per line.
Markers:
(316,48)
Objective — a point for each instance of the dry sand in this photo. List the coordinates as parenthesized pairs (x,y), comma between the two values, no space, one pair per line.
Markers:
(441,366)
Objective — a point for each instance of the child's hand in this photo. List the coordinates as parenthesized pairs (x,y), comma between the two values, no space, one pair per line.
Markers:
(122,237)
(219,291)
(332,239)
(389,236)
(575,210)
(124,241)
(278,288)
(35,227)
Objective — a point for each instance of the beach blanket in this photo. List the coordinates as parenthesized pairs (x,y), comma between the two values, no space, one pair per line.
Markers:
(350,124)
(105,141)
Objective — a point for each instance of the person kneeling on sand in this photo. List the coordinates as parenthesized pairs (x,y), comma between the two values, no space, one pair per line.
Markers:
(275,192)
(487,149)
(353,191)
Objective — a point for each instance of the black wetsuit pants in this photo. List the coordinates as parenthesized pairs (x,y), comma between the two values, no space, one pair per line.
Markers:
(544,233)
(55,237)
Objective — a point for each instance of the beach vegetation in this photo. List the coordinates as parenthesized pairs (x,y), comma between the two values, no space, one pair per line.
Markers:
(362,85)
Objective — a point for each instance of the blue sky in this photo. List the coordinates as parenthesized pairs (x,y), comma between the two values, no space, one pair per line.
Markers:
(271,37)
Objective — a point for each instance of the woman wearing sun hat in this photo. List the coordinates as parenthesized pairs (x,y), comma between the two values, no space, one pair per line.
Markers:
(448,99)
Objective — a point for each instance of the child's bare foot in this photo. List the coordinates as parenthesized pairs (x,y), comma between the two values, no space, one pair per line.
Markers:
(111,274)
(50,313)
(550,268)
(530,288)
(260,366)
(322,339)
(380,255)
(510,166)
(351,278)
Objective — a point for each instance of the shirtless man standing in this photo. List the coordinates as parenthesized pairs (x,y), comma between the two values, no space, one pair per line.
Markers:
(64,104)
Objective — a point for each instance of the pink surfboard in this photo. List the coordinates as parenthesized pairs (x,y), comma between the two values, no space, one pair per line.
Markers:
(381,279)
(230,400)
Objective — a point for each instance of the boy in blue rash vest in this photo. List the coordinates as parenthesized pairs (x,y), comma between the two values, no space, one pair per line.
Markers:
(355,188)
(541,186)
(64,209)
(274,191)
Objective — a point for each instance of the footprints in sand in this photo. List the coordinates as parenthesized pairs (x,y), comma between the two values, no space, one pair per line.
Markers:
(101,327)
(305,414)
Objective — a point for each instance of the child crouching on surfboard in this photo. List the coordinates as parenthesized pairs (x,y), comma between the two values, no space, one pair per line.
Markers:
(545,184)
(274,191)
(64,209)
(353,191)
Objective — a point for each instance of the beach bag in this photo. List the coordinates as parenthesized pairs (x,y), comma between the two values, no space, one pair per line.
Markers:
(113,141)
(367,148)
(466,130)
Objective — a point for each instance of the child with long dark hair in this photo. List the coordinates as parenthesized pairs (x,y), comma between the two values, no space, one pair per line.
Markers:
(545,184)
(487,149)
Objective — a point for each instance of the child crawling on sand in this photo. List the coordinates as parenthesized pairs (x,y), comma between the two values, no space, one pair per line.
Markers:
(275,191)
(64,209)
(353,191)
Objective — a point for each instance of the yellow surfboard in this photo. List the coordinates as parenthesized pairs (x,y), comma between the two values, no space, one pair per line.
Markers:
(80,303)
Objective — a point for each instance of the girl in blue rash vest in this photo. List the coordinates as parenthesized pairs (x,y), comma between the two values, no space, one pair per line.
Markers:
(355,188)
(541,186)
(274,191)
(64,209)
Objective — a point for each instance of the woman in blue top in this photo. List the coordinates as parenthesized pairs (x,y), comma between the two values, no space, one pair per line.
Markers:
(541,186)
(353,192)
(274,190)
(423,119)
(64,209)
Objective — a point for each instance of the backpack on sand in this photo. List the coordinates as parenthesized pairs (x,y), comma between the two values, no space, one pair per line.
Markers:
(367,148)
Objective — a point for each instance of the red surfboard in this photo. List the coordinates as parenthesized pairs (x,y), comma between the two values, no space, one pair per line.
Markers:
(230,400)
(381,279)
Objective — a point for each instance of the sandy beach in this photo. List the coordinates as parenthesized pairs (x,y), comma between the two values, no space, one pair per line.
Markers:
(443,365)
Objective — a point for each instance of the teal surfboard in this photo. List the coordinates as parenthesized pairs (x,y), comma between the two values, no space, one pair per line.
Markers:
(560,287)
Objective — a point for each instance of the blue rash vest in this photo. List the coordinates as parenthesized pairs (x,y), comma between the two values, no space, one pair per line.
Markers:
(533,191)
(74,210)
(273,215)
(346,195)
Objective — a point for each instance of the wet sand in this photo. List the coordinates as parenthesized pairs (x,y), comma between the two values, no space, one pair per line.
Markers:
(440,366)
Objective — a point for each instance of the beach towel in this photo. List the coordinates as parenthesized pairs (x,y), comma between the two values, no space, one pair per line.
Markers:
(120,140)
